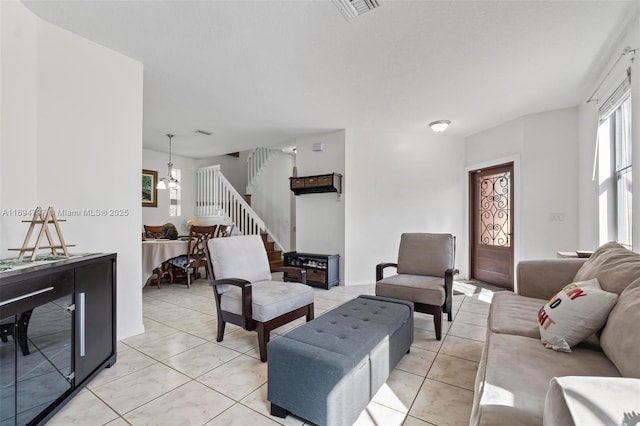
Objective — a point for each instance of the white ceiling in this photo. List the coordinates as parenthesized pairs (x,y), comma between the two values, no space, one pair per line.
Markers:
(259,73)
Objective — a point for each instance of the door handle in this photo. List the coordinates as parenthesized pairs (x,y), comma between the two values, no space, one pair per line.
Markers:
(81,322)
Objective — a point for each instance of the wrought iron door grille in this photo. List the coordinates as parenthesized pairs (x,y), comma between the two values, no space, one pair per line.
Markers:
(495,209)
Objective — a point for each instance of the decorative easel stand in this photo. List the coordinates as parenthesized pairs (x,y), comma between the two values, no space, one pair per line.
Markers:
(43,219)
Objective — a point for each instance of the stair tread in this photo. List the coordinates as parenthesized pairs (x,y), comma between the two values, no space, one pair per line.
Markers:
(274,255)
(276,263)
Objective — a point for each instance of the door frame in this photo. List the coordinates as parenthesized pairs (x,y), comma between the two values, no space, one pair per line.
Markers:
(517,188)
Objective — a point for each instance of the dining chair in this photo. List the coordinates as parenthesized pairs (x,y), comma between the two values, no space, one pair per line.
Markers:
(189,263)
(245,293)
(425,271)
(18,330)
(156,232)
(224,230)
(153,231)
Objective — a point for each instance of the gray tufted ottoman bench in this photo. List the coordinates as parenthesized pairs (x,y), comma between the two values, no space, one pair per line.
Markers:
(327,370)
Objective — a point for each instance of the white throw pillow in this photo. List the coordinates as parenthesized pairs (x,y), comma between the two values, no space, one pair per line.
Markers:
(574,313)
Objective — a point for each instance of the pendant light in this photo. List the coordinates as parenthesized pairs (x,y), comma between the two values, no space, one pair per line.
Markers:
(169,181)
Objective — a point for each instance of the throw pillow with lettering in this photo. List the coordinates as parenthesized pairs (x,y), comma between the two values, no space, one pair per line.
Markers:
(574,313)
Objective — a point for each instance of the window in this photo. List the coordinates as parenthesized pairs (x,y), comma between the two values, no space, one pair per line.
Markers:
(174,196)
(615,165)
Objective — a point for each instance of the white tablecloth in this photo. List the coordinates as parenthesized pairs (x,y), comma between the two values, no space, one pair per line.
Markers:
(156,252)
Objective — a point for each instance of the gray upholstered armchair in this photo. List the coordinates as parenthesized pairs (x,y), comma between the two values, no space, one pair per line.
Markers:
(245,293)
(425,271)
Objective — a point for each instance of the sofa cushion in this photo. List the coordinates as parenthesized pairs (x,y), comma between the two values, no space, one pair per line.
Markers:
(514,314)
(591,401)
(417,288)
(269,299)
(614,266)
(620,338)
(573,314)
(253,266)
(426,254)
(514,375)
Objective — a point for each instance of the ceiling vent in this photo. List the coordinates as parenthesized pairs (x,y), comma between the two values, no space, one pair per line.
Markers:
(352,8)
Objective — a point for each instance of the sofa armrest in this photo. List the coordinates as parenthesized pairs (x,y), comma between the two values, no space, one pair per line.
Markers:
(588,400)
(544,278)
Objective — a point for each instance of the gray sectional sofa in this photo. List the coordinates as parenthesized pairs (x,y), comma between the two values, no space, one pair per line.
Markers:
(520,382)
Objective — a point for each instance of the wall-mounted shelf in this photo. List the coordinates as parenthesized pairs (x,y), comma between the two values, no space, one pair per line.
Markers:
(331,182)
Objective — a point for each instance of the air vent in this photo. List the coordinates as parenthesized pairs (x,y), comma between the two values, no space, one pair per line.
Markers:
(202,132)
(352,8)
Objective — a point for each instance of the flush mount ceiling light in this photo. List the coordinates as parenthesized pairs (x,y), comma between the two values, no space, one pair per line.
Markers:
(352,8)
(169,181)
(439,126)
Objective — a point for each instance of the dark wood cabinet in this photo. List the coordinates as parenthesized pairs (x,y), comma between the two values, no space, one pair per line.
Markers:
(322,269)
(95,317)
(316,184)
(61,317)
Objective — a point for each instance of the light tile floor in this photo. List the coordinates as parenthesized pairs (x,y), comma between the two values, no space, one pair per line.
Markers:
(177,374)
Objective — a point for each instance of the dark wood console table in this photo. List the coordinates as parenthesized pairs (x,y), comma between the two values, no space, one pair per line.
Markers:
(69,334)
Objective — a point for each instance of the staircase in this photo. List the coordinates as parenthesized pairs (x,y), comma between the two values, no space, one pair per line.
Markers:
(256,162)
(217,199)
(275,256)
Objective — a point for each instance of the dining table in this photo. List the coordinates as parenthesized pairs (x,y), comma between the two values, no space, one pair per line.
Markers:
(156,252)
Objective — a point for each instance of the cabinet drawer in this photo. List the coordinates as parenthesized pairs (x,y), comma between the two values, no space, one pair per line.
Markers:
(325,180)
(297,183)
(35,291)
(316,275)
(310,182)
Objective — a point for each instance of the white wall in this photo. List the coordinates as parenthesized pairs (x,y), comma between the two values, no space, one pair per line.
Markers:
(18,123)
(544,149)
(233,168)
(153,160)
(271,197)
(72,138)
(400,182)
(320,218)
(588,122)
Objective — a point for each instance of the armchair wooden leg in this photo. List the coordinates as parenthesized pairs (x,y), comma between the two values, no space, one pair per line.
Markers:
(310,314)
(449,316)
(437,322)
(221,325)
(263,339)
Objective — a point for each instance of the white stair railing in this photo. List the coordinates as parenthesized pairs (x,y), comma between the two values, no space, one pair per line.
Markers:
(216,197)
(256,161)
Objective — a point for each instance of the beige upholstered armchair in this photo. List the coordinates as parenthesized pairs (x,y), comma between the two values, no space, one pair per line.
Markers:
(425,271)
(245,293)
